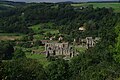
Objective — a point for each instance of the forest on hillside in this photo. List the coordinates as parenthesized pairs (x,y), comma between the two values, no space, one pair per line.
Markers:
(101,62)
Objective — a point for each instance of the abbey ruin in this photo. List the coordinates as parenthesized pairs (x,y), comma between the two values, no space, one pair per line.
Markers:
(59,49)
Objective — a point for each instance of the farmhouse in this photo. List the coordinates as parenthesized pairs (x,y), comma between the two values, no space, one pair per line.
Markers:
(82,29)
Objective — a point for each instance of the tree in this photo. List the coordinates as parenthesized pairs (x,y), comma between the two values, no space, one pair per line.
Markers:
(117,45)
(19,54)
(6,50)
(24,69)
(58,70)
(1,53)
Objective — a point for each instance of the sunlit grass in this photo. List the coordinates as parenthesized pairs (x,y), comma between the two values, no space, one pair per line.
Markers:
(115,6)
(40,57)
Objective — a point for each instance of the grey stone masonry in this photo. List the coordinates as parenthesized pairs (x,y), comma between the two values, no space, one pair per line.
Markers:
(59,49)
(89,42)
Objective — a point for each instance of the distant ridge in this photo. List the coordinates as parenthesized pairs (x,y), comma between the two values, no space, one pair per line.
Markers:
(3,0)
(61,1)
(103,1)
(7,1)
(69,2)
(11,2)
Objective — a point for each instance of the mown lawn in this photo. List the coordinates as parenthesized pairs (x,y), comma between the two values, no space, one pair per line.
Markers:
(115,6)
(80,49)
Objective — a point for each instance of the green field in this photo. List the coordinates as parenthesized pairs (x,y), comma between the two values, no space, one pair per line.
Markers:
(6,5)
(10,36)
(115,6)
(41,31)
(40,28)
(52,31)
(38,37)
(80,49)
(40,57)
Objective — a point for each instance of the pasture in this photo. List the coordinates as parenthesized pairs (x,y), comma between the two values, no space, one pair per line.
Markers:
(115,6)
(40,57)
(36,56)
(6,5)
(41,30)
(10,36)
(44,28)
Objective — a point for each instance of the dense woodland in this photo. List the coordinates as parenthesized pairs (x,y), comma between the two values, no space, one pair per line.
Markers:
(99,63)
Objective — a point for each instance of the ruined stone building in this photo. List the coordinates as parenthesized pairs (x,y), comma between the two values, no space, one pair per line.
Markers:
(89,42)
(59,49)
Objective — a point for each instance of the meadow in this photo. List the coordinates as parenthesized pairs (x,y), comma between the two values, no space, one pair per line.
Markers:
(39,57)
(40,30)
(10,36)
(115,6)
(44,28)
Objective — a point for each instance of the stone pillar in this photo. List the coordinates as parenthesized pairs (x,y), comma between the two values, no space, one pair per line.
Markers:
(45,46)
(47,54)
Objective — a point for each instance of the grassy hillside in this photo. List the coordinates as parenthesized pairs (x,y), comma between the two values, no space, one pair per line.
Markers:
(46,27)
(4,7)
(11,3)
(115,6)
(7,5)
(41,31)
